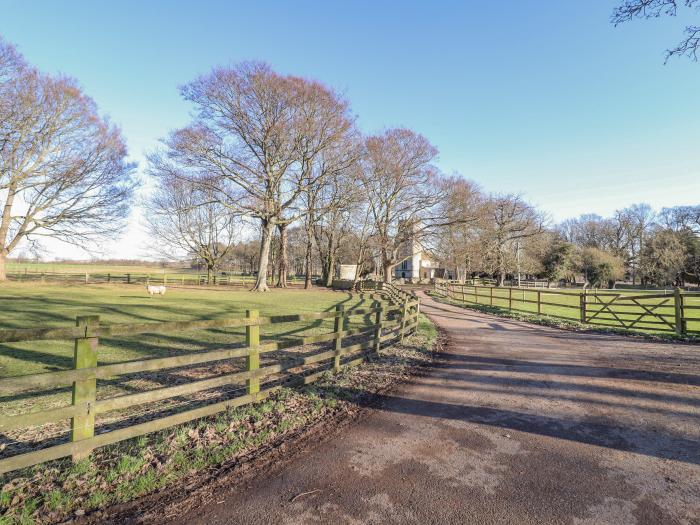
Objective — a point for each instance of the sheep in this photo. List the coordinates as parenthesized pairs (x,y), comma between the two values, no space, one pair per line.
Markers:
(155,290)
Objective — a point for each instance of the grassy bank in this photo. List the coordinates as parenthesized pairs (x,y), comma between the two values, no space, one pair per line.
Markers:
(129,470)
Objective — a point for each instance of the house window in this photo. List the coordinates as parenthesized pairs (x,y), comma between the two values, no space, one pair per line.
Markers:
(404,264)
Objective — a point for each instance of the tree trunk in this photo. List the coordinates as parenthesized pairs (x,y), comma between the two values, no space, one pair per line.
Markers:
(324,265)
(265,242)
(208,274)
(330,261)
(501,270)
(330,272)
(388,267)
(360,263)
(282,265)
(308,254)
(4,230)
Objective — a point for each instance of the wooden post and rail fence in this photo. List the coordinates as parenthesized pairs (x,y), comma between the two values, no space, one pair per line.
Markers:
(394,314)
(165,279)
(677,312)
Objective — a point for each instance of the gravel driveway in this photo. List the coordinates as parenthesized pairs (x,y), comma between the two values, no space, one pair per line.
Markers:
(514,423)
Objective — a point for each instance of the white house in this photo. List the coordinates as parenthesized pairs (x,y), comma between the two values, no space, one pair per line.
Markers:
(416,265)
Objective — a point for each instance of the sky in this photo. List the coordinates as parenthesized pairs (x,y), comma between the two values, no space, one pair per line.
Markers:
(546,99)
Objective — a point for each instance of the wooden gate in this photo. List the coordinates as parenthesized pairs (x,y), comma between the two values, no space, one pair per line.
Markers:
(642,312)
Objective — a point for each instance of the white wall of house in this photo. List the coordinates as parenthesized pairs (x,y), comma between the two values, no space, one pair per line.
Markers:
(415,268)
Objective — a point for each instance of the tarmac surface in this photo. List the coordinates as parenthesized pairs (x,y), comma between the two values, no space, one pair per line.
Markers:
(514,423)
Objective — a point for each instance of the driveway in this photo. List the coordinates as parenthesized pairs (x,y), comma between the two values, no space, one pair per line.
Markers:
(514,423)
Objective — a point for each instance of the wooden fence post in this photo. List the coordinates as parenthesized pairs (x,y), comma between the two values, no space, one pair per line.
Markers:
(128,278)
(338,327)
(404,314)
(378,331)
(510,298)
(85,390)
(87,278)
(539,302)
(417,311)
(491,295)
(252,361)
(582,305)
(678,303)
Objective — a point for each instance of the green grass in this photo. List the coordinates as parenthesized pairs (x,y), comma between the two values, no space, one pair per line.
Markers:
(127,470)
(61,267)
(56,271)
(565,305)
(34,305)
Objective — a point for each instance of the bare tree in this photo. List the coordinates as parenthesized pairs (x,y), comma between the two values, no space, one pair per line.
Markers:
(458,246)
(636,221)
(63,169)
(328,149)
(243,257)
(400,183)
(510,219)
(251,134)
(681,218)
(186,219)
(337,196)
(632,9)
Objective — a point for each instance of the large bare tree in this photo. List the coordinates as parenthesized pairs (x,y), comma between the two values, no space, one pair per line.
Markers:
(633,9)
(185,219)
(331,202)
(458,245)
(63,169)
(253,132)
(510,220)
(400,184)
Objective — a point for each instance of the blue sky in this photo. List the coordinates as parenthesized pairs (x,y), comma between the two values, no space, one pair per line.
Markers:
(544,98)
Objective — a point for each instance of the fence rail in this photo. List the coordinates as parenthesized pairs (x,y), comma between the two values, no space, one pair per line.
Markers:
(677,313)
(177,279)
(395,314)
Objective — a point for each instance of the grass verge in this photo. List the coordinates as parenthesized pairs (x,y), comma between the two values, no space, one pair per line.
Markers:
(59,490)
(565,324)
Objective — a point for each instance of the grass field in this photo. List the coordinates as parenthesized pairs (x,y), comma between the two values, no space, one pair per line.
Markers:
(61,272)
(565,304)
(123,471)
(61,267)
(34,305)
